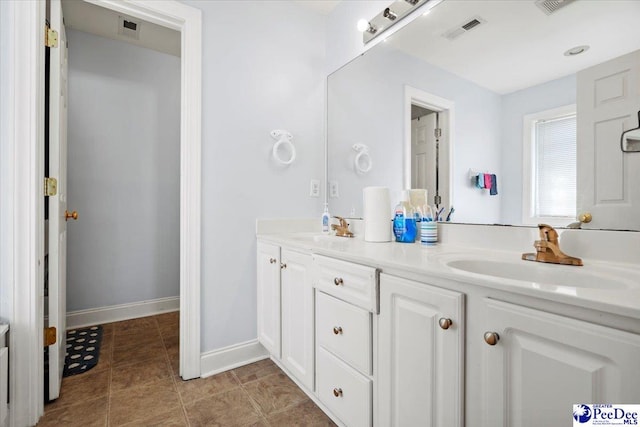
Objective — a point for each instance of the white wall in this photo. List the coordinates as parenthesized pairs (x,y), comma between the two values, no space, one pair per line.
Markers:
(6,183)
(263,69)
(515,106)
(366,105)
(123,173)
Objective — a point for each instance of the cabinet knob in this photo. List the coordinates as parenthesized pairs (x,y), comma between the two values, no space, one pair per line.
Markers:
(337,330)
(491,338)
(283,266)
(445,323)
(338,281)
(337,392)
(272,260)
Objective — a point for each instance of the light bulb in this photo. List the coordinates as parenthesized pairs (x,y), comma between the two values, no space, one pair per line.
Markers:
(363,25)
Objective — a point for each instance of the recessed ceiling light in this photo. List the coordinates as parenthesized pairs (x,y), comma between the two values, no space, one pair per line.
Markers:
(576,50)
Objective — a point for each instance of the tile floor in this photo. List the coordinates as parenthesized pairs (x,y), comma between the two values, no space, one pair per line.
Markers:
(136,383)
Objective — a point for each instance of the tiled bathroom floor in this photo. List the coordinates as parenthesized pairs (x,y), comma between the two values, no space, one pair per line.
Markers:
(136,383)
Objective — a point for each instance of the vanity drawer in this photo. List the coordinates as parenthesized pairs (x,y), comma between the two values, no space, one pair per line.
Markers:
(345,330)
(351,282)
(347,393)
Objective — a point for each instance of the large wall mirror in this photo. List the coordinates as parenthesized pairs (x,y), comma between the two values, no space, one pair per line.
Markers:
(534,96)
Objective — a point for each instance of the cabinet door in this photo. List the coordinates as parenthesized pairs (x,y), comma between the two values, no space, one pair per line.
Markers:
(543,363)
(420,363)
(269,297)
(297,316)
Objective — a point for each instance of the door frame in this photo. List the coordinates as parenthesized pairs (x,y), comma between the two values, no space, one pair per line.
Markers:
(22,169)
(431,102)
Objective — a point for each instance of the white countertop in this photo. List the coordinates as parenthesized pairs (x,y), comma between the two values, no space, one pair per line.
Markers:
(605,286)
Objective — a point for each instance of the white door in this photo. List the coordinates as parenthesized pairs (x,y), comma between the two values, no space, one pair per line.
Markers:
(542,364)
(420,363)
(269,297)
(422,153)
(58,203)
(608,101)
(297,316)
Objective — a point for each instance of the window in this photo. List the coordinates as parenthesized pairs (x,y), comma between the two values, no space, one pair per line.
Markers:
(550,167)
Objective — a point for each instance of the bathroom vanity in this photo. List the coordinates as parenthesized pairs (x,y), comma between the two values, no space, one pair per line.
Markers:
(391,334)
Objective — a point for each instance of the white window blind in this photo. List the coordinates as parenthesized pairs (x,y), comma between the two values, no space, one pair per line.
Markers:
(555,167)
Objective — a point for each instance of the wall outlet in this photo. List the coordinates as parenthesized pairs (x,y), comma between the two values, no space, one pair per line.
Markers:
(314,188)
(334,191)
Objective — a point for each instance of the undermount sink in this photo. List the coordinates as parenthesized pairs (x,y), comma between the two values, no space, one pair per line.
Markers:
(542,273)
(314,237)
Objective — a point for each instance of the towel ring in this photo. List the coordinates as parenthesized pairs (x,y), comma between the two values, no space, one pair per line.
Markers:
(283,140)
(362,162)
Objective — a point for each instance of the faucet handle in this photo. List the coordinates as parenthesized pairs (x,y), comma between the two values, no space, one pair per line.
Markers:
(343,222)
(548,233)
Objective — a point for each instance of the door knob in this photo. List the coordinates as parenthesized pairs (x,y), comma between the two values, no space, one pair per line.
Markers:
(68,215)
(585,218)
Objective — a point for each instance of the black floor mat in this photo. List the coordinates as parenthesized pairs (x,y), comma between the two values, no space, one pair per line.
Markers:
(83,350)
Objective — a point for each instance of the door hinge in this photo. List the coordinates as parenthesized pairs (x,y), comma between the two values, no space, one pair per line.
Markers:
(50,336)
(50,186)
(437,132)
(50,37)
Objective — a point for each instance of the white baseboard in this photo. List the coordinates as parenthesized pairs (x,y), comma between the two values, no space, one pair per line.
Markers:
(223,359)
(116,313)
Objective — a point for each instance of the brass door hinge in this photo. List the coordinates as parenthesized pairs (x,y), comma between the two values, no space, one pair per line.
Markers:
(437,133)
(50,37)
(50,186)
(50,336)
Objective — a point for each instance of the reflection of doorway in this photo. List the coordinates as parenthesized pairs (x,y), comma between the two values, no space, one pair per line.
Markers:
(428,136)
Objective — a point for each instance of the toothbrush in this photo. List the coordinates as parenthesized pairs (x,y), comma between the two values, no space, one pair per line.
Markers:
(450,213)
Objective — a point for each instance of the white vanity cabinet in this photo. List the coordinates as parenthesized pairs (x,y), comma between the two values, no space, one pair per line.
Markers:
(420,358)
(268,296)
(297,316)
(345,302)
(536,365)
(285,309)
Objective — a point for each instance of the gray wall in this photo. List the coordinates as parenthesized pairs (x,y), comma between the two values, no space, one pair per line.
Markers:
(262,69)
(123,173)
(515,106)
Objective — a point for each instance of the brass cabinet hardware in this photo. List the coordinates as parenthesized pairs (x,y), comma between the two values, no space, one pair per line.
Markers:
(50,336)
(491,338)
(68,215)
(337,330)
(585,217)
(445,323)
(338,281)
(272,260)
(337,392)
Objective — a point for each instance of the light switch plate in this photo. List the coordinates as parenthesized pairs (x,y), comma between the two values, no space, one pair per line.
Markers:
(334,190)
(314,188)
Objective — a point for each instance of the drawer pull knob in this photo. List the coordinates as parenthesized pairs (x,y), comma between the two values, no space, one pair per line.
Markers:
(337,392)
(445,323)
(283,266)
(337,330)
(338,281)
(491,338)
(272,260)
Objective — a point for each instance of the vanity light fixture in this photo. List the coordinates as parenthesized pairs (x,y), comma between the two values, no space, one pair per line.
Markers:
(389,14)
(576,50)
(412,2)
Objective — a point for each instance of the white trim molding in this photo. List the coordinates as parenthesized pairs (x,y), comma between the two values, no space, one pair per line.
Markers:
(116,313)
(223,359)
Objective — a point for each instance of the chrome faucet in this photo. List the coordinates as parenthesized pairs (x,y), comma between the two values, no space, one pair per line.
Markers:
(342,229)
(548,249)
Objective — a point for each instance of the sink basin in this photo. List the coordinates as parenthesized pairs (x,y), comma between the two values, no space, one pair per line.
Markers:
(542,273)
(313,237)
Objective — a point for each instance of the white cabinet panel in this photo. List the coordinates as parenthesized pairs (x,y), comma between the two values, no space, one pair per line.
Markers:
(348,281)
(268,296)
(543,363)
(297,316)
(420,364)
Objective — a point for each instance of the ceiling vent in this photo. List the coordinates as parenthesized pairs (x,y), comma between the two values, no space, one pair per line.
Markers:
(129,27)
(551,6)
(463,28)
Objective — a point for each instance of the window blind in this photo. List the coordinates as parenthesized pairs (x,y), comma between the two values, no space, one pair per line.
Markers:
(555,167)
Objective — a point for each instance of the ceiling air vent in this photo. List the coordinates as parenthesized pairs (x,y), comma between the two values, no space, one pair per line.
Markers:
(129,27)
(463,28)
(551,6)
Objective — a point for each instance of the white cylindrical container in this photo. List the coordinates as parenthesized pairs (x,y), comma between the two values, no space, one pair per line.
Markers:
(377,214)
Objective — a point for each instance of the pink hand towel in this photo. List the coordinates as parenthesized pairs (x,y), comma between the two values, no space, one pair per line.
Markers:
(487,181)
